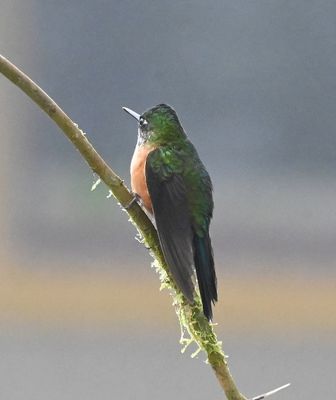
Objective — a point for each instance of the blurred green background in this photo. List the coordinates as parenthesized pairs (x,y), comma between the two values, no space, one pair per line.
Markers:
(81,314)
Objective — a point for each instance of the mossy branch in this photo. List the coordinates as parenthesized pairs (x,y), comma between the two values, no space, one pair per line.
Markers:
(191,317)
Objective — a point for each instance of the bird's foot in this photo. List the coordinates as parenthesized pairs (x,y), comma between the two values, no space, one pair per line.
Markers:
(136,199)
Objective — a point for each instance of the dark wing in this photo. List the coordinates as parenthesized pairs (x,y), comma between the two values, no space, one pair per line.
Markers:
(201,202)
(170,206)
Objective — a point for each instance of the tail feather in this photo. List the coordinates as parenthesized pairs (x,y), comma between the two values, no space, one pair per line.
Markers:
(205,271)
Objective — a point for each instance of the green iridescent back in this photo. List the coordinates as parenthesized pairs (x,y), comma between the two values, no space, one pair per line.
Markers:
(177,155)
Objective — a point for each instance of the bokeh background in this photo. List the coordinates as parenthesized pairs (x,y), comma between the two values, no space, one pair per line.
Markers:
(81,314)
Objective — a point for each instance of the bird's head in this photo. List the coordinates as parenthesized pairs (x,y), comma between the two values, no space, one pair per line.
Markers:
(159,125)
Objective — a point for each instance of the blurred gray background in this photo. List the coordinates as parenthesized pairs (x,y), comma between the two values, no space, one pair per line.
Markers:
(254,85)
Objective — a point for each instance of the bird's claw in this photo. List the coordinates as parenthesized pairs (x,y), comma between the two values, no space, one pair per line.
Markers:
(136,199)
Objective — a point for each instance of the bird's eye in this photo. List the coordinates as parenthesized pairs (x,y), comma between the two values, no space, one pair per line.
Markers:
(142,121)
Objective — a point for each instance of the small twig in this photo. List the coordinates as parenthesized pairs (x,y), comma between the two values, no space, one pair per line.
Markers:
(263,396)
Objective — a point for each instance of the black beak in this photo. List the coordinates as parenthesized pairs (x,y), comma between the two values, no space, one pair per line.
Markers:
(133,113)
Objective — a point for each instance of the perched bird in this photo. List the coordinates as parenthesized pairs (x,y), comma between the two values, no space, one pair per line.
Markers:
(174,186)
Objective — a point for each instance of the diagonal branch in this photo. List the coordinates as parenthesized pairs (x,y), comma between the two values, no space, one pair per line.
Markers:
(192,320)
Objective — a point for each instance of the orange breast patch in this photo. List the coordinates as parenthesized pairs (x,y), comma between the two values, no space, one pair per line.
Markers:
(138,174)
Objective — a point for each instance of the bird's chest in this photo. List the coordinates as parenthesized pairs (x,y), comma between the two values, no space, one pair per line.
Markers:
(138,174)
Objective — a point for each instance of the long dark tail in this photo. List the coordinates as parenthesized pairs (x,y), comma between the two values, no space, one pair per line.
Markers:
(205,271)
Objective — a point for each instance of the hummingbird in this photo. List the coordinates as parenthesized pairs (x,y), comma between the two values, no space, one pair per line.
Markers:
(171,182)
